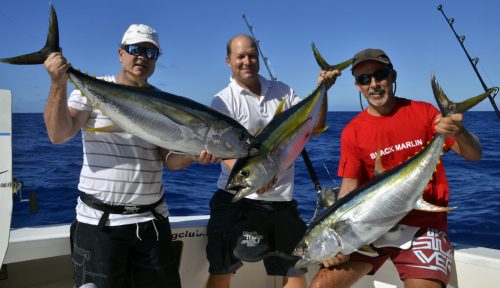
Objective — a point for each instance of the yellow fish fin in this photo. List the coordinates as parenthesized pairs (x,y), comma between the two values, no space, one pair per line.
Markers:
(379,168)
(423,205)
(318,131)
(109,128)
(280,107)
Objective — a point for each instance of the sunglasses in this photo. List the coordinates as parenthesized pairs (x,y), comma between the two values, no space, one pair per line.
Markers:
(379,75)
(136,50)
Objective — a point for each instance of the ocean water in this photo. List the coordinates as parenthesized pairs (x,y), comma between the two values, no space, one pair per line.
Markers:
(52,172)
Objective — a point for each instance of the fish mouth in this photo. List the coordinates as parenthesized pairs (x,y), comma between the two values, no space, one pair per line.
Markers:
(241,191)
(236,187)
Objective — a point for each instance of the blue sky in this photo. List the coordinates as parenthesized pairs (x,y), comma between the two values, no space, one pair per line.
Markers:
(193,36)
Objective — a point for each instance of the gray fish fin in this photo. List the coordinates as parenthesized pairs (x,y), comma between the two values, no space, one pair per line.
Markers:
(324,65)
(51,45)
(448,107)
(423,205)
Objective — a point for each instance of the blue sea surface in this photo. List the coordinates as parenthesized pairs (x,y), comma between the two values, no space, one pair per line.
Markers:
(52,172)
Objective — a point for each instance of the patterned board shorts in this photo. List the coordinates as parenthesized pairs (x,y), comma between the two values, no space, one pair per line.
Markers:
(430,256)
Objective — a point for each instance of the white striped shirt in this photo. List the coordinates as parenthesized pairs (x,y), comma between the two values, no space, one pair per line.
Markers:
(118,168)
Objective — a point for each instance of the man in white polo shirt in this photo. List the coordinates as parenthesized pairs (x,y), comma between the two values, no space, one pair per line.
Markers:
(263,225)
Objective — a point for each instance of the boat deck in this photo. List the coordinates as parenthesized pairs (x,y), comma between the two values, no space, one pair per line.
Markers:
(39,257)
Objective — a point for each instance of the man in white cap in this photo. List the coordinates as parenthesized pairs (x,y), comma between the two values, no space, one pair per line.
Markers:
(121,236)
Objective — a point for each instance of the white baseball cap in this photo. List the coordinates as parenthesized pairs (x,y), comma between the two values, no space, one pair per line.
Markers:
(138,33)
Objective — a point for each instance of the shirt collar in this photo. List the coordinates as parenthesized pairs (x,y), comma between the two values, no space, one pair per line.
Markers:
(264,86)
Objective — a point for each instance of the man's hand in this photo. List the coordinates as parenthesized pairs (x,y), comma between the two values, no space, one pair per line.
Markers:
(57,66)
(450,126)
(206,158)
(329,77)
(336,260)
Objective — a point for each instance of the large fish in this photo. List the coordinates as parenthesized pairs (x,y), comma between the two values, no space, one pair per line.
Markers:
(283,139)
(170,121)
(368,212)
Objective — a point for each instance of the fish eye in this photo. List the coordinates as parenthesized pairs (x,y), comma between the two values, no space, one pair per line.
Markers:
(244,173)
(243,136)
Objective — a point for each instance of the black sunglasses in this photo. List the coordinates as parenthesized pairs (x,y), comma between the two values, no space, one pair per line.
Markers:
(379,75)
(136,50)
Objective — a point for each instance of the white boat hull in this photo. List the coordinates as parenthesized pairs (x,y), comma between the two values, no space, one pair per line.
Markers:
(5,169)
(39,257)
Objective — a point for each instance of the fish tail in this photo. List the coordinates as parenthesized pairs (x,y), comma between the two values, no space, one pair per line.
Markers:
(324,65)
(448,107)
(51,45)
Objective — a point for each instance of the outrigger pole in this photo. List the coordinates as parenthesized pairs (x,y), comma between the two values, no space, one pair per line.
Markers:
(473,61)
(305,155)
(250,27)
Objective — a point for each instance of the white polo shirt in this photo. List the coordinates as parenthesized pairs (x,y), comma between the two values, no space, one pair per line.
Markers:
(254,114)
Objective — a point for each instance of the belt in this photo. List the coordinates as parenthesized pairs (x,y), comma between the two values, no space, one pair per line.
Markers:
(270,205)
(107,209)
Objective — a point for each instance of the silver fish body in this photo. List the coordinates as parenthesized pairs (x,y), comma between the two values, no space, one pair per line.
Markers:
(365,214)
(283,139)
(170,121)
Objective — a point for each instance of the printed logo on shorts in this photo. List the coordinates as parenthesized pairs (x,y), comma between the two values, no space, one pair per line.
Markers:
(251,238)
(434,251)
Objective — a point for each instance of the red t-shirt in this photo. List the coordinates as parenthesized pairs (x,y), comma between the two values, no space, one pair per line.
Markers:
(398,136)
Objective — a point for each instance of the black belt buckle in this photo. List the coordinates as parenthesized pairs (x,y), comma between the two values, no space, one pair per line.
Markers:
(130,209)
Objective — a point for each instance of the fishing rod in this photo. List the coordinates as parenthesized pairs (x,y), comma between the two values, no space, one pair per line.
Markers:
(250,27)
(305,155)
(473,61)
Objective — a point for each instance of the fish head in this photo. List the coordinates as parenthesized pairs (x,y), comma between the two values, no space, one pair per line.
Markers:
(236,140)
(249,174)
(320,245)
(301,250)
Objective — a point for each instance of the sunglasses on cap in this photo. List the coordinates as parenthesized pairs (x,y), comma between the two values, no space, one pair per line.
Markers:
(136,50)
(379,75)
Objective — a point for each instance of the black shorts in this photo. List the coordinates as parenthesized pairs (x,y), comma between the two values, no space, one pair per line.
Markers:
(116,257)
(253,230)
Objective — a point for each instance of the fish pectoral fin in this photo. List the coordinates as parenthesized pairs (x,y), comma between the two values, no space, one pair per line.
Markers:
(279,109)
(367,250)
(423,205)
(109,128)
(138,81)
(317,132)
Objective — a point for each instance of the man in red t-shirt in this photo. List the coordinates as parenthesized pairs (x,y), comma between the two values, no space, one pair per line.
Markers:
(396,129)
